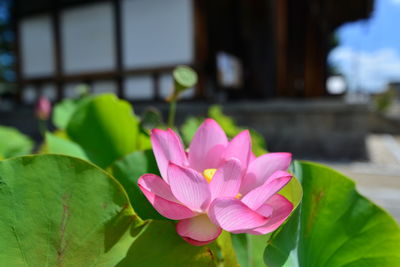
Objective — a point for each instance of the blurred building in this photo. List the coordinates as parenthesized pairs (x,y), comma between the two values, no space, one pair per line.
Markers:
(252,49)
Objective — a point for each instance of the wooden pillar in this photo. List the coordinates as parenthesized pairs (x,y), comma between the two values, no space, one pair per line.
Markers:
(17,52)
(57,46)
(118,47)
(315,65)
(281,28)
(200,46)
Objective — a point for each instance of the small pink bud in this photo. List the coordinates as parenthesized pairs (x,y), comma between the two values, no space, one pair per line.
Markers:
(43,108)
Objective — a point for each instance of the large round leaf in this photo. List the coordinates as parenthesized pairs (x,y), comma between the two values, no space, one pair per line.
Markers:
(61,211)
(335,226)
(105,127)
(13,143)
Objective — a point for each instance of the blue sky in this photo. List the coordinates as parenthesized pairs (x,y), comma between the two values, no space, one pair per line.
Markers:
(369,50)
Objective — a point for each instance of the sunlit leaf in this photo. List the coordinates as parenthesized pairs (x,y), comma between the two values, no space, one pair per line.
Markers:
(228,254)
(158,244)
(63,111)
(189,128)
(231,129)
(13,143)
(334,226)
(152,118)
(249,249)
(58,145)
(127,171)
(106,128)
(62,211)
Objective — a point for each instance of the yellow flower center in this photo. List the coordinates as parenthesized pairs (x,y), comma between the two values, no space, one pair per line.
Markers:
(209,174)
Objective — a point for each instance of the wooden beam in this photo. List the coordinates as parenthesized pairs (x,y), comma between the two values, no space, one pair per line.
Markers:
(102,75)
(48,6)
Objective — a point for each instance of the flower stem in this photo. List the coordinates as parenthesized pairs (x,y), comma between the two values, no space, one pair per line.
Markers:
(172,112)
(42,127)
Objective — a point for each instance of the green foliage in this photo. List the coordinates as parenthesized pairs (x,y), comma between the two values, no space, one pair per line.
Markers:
(152,118)
(127,171)
(258,143)
(63,111)
(249,248)
(189,128)
(231,129)
(62,145)
(100,128)
(225,246)
(61,211)
(13,143)
(106,128)
(226,122)
(158,244)
(143,141)
(383,101)
(335,226)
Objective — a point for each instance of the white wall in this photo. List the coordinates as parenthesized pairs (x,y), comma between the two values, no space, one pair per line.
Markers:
(154,33)
(70,89)
(88,38)
(138,87)
(157,32)
(29,95)
(107,86)
(36,46)
(49,91)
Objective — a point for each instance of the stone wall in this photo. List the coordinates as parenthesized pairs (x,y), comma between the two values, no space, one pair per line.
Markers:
(323,129)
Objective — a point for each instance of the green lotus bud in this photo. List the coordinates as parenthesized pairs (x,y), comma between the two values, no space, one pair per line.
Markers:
(184,78)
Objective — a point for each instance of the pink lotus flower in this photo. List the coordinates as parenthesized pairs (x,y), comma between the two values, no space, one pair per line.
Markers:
(216,185)
(43,108)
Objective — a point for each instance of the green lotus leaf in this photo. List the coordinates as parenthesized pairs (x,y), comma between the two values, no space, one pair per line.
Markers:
(63,111)
(334,226)
(59,145)
(13,143)
(62,211)
(106,128)
(158,244)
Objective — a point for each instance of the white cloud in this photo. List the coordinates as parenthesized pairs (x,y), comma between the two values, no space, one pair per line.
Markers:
(368,71)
